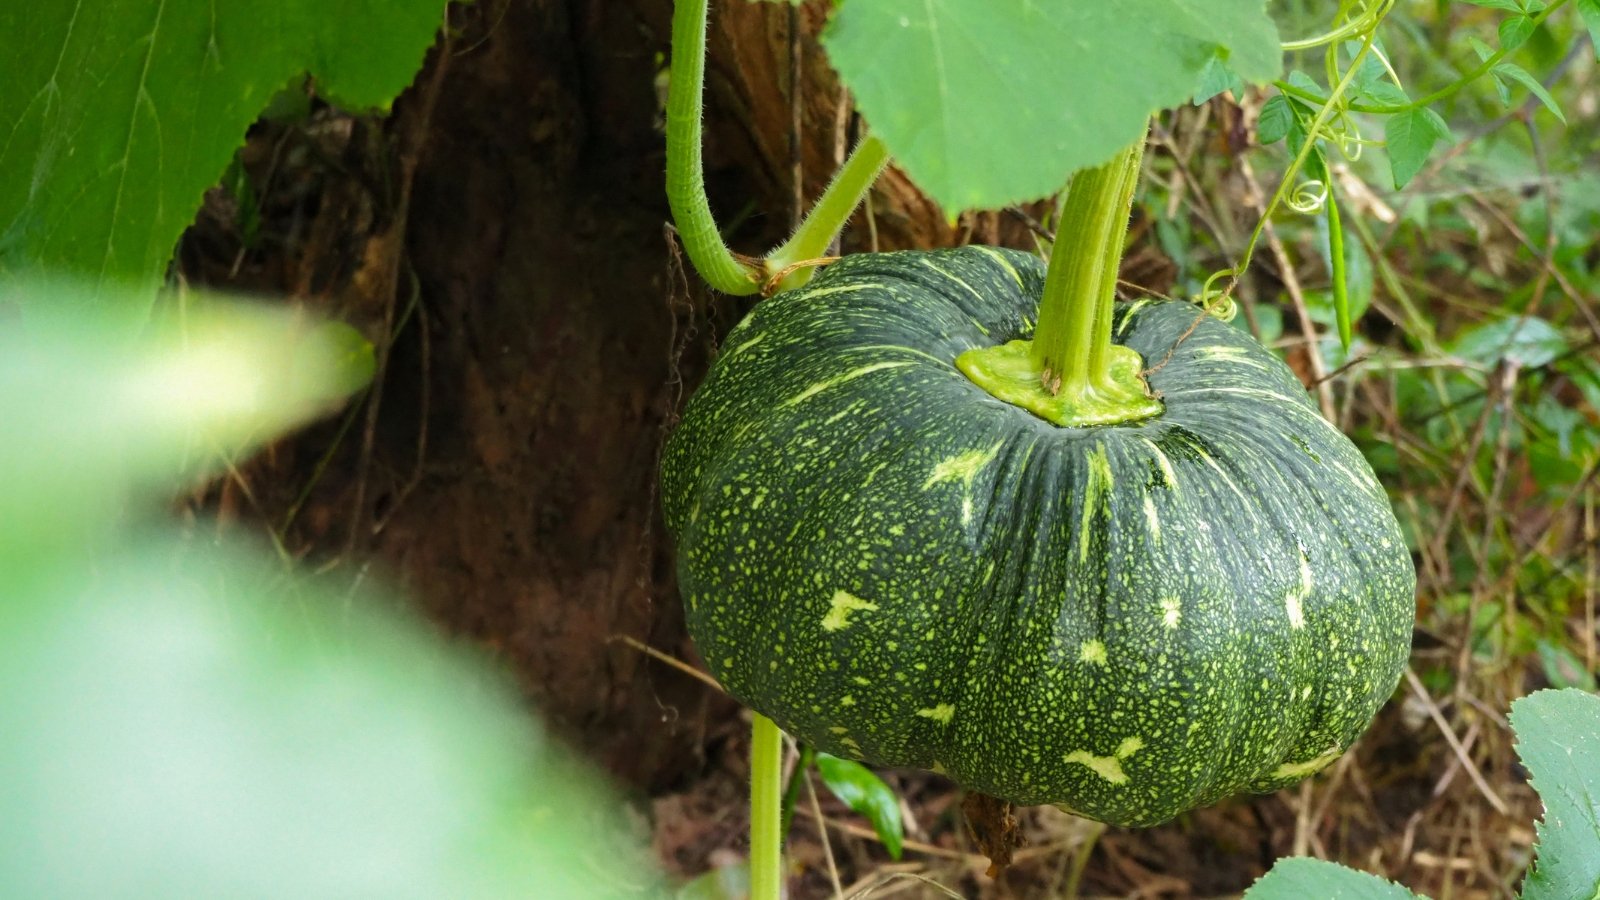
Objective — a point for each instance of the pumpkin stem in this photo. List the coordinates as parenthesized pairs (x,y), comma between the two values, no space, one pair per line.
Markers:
(1070,373)
(766,809)
(686,183)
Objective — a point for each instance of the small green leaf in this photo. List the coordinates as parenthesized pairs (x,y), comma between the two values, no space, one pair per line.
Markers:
(1516,73)
(1501,88)
(866,794)
(1483,50)
(1585,375)
(1410,137)
(1216,78)
(1277,117)
(1507,5)
(1372,69)
(1386,93)
(1528,341)
(1558,739)
(1514,32)
(1305,83)
(1590,11)
(1299,877)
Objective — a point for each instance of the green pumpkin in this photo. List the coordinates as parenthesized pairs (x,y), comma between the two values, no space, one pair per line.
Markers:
(1129,621)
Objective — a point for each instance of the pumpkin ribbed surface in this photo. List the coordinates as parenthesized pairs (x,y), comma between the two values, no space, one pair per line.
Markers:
(1129,621)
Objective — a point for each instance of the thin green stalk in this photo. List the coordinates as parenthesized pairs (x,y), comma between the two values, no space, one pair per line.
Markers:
(829,216)
(1075,312)
(1313,134)
(1354,26)
(686,183)
(791,792)
(766,809)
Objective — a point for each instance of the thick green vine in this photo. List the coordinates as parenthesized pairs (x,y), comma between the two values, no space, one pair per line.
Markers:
(1070,373)
(686,182)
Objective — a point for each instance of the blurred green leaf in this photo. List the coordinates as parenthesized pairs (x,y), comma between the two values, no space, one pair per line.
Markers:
(183,721)
(866,794)
(1563,668)
(93,419)
(1306,83)
(1507,5)
(1302,878)
(1565,443)
(1584,371)
(1269,319)
(1590,11)
(291,104)
(730,882)
(192,724)
(1334,352)
(1410,137)
(117,116)
(1527,341)
(1558,739)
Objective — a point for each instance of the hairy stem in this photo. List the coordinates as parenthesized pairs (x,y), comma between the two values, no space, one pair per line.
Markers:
(686,184)
(766,809)
(829,216)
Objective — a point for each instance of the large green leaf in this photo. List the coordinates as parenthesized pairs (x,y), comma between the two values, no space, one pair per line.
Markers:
(116,115)
(989,102)
(1299,878)
(1558,738)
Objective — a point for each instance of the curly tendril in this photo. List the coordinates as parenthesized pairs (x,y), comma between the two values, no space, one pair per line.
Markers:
(1218,303)
(1307,196)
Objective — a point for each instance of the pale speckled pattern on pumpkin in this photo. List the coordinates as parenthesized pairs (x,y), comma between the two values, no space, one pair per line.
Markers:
(1130,621)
